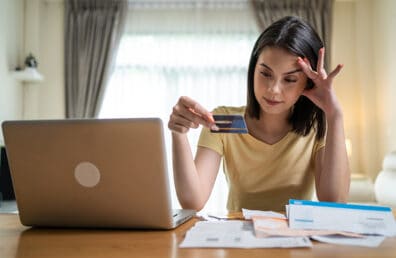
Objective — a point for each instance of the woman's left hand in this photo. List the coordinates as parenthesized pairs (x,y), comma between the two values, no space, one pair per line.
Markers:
(322,94)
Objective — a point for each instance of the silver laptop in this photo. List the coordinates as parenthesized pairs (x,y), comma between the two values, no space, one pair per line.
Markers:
(101,173)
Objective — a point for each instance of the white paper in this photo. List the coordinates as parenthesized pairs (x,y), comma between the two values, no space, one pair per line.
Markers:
(248,214)
(361,219)
(368,241)
(235,234)
(270,226)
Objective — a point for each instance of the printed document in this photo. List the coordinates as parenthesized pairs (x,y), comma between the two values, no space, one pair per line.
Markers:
(368,241)
(235,234)
(248,214)
(269,223)
(361,219)
(265,226)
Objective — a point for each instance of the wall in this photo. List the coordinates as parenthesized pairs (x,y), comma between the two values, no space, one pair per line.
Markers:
(11,38)
(384,37)
(45,33)
(369,146)
(343,51)
(40,22)
(363,38)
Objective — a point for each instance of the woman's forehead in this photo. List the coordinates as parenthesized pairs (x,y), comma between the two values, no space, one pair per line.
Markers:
(278,58)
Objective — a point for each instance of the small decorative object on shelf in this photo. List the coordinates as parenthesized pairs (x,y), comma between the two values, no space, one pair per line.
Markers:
(30,73)
(385,182)
(31,61)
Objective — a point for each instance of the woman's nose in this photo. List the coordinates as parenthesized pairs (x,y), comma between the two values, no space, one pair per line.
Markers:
(274,87)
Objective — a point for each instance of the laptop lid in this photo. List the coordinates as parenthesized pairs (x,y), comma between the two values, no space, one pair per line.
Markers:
(90,172)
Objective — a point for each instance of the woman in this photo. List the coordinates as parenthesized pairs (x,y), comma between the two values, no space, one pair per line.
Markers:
(296,133)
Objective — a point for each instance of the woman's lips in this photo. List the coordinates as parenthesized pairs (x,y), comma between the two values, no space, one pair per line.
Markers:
(272,102)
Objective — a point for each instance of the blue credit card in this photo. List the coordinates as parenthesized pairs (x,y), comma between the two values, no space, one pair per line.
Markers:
(230,124)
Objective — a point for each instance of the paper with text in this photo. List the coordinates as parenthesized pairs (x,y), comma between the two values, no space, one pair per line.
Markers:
(368,241)
(235,234)
(361,219)
(269,226)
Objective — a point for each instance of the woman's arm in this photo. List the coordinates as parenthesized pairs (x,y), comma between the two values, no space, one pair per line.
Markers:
(332,174)
(194,179)
(332,177)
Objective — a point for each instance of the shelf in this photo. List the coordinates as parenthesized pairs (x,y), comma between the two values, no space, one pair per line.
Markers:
(28,75)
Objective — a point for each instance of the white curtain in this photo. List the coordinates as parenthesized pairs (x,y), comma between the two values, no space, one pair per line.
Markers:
(206,58)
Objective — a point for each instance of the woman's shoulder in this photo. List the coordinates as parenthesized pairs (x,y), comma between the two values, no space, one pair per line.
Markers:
(229,110)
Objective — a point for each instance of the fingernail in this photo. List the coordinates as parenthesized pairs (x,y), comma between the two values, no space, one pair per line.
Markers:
(214,127)
(210,117)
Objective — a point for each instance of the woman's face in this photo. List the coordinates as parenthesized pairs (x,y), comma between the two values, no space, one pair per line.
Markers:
(278,80)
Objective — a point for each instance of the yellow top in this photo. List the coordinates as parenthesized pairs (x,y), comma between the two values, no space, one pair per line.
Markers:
(263,176)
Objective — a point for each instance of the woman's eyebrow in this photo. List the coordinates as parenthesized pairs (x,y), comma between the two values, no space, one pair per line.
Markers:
(294,71)
(266,66)
(290,72)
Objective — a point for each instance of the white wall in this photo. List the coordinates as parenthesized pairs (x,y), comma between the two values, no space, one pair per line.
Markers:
(344,52)
(40,22)
(44,32)
(363,37)
(11,43)
(384,35)
(368,146)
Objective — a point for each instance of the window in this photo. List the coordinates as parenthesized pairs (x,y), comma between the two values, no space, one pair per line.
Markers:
(153,69)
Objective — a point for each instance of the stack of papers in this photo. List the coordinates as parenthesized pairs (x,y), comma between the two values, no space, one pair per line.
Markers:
(235,234)
(335,223)
(265,226)
(361,219)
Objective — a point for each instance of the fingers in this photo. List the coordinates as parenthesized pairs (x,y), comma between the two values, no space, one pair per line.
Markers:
(196,108)
(335,71)
(187,114)
(306,67)
(180,124)
(321,72)
(320,65)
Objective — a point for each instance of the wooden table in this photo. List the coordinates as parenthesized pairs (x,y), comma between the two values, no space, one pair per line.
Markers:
(19,241)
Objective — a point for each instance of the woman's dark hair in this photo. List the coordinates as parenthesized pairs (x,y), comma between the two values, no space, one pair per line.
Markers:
(298,38)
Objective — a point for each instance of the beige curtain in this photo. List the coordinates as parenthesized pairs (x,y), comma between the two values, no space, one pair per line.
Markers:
(318,13)
(93,30)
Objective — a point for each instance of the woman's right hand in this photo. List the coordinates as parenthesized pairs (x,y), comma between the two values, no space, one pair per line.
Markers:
(187,113)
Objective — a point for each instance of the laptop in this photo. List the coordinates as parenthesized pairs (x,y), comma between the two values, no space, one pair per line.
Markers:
(94,173)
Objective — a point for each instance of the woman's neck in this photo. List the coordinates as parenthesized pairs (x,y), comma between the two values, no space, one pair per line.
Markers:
(269,128)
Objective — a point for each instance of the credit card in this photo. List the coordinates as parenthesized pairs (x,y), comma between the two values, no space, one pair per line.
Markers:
(230,124)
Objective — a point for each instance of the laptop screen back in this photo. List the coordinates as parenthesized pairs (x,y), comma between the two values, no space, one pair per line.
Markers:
(90,173)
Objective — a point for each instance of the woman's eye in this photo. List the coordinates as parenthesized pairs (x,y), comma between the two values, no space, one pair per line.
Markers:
(266,74)
(290,80)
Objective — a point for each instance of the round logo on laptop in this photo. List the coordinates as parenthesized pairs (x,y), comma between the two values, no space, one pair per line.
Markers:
(87,174)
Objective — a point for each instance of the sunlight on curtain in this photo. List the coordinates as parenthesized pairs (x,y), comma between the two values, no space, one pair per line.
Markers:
(154,69)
